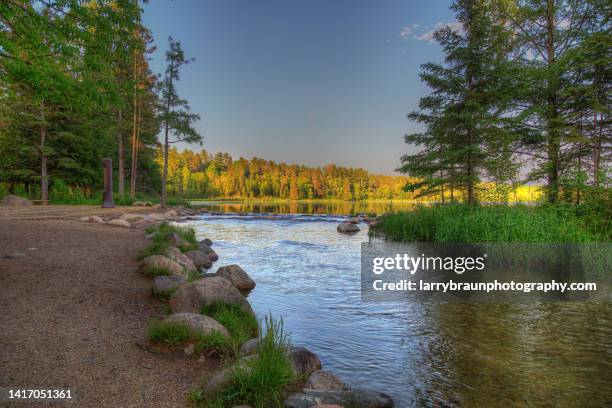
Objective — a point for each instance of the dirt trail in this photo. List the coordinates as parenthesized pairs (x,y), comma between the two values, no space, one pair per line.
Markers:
(72,311)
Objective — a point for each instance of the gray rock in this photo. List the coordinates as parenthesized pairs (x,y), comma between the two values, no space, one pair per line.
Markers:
(180,258)
(212,255)
(142,224)
(207,241)
(353,220)
(156,216)
(159,262)
(324,381)
(119,223)
(303,361)
(194,295)
(347,228)
(132,217)
(199,322)
(222,379)
(238,277)
(249,347)
(199,259)
(164,284)
(358,398)
(14,200)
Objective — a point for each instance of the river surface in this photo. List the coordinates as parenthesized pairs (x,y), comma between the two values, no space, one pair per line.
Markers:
(440,355)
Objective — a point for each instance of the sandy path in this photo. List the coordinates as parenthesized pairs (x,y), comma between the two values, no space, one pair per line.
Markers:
(72,311)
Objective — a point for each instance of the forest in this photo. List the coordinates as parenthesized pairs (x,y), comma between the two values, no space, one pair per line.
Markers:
(521,98)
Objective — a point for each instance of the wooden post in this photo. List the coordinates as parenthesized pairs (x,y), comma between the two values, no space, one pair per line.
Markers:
(107,198)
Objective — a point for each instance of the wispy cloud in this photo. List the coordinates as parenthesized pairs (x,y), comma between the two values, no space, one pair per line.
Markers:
(428,36)
(408,31)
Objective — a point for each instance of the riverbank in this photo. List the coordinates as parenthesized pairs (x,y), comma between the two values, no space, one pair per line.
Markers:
(496,223)
(75,312)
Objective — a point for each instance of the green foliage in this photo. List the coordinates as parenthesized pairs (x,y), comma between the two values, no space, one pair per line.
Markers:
(155,248)
(161,239)
(167,294)
(465,224)
(258,381)
(241,324)
(157,271)
(174,334)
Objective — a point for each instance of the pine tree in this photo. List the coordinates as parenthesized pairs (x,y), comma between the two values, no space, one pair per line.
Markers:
(175,117)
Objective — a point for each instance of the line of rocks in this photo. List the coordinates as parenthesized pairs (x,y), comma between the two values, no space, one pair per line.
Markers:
(349,225)
(231,285)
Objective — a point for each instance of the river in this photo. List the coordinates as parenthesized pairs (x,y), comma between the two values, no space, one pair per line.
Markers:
(447,355)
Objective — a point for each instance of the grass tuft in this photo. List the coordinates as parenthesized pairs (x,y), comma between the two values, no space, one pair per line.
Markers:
(157,271)
(173,334)
(241,324)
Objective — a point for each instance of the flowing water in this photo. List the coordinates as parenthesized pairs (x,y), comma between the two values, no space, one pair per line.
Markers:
(441,355)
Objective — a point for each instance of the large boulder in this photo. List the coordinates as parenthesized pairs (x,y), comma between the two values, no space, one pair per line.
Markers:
(193,296)
(199,259)
(347,228)
(199,322)
(180,258)
(212,255)
(14,200)
(119,223)
(164,285)
(358,398)
(238,277)
(303,361)
(161,262)
(207,241)
(323,380)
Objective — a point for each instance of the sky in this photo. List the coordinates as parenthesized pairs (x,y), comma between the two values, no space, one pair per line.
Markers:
(311,82)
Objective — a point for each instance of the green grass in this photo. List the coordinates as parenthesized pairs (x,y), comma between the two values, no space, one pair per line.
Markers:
(167,294)
(465,224)
(241,324)
(161,240)
(157,271)
(173,334)
(259,381)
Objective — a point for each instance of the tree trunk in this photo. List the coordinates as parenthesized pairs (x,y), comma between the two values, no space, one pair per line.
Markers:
(166,145)
(135,133)
(121,161)
(44,176)
(553,141)
(596,151)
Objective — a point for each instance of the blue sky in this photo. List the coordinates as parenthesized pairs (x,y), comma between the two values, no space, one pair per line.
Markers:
(310,82)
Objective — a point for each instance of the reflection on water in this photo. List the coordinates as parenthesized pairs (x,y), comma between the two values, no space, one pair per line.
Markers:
(306,207)
(441,355)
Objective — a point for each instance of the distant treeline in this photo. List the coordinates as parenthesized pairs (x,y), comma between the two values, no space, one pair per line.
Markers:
(204,175)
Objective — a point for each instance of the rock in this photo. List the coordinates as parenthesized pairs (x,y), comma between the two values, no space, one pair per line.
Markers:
(249,347)
(180,258)
(238,277)
(353,220)
(14,200)
(162,285)
(327,406)
(119,223)
(156,206)
(347,228)
(91,219)
(373,223)
(189,350)
(323,380)
(212,255)
(221,379)
(192,296)
(142,224)
(358,398)
(138,204)
(170,214)
(303,361)
(156,217)
(159,262)
(206,241)
(199,259)
(199,322)
(176,240)
(132,218)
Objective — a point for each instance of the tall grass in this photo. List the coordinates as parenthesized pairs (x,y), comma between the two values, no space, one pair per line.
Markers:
(461,223)
(161,239)
(173,334)
(241,324)
(259,381)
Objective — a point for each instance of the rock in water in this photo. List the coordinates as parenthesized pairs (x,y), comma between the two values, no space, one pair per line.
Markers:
(347,228)
(194,295)
(180,258)
(212,255)
(14,200)
(322,380)
(238,277)
(162,262)
(358,398)
(199,322)
(164,284)
(353,220)
(207,241)
(199,259)
(303,361)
